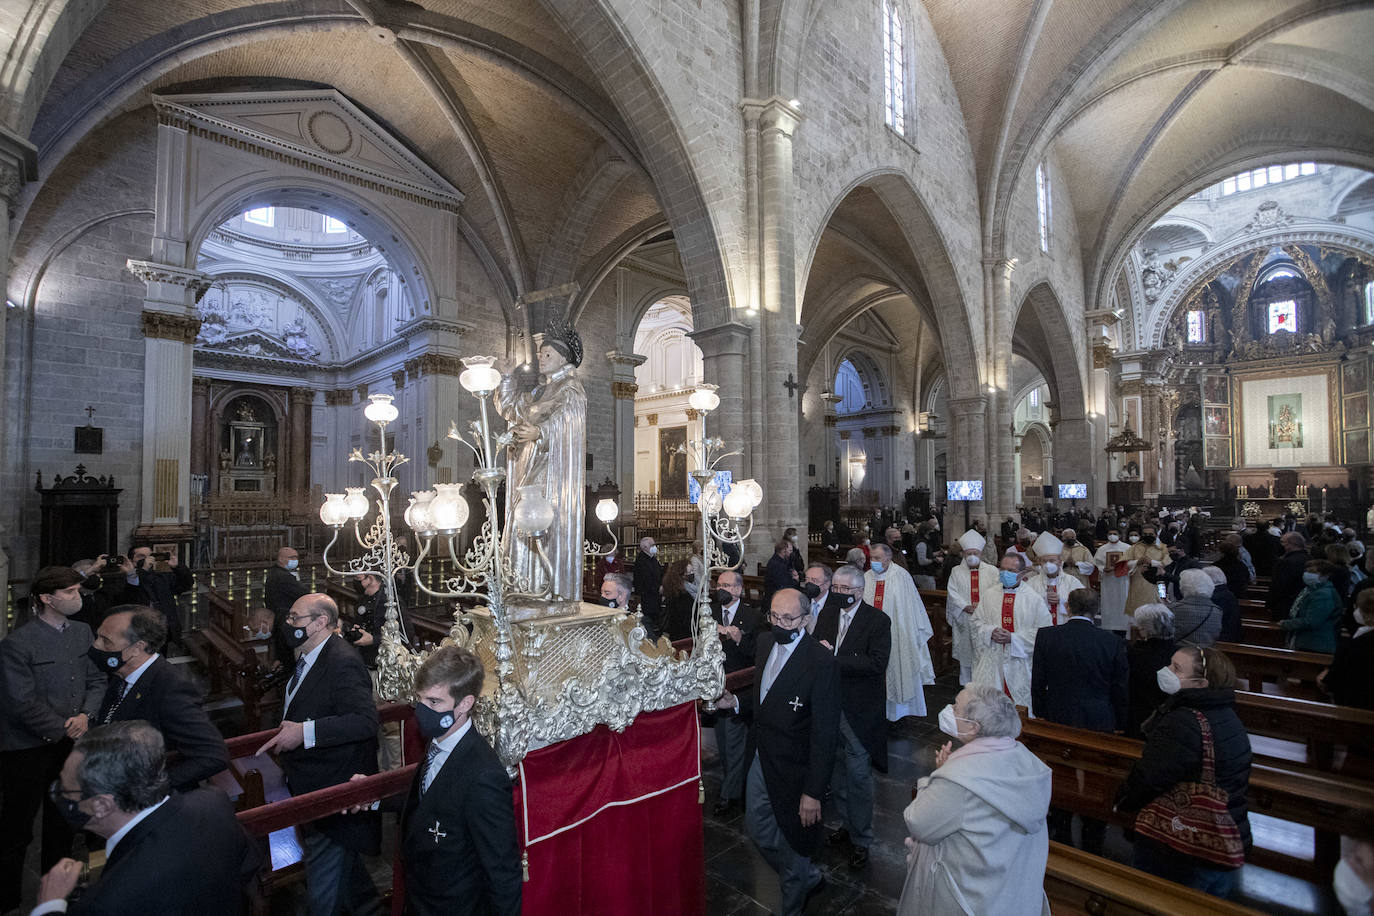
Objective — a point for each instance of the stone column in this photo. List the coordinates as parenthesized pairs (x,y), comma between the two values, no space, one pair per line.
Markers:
(999,478)
(966,447)
(294,460)
(724,350)
(18,165)
(776,120)
(170,324)
(203,441)
(623,389)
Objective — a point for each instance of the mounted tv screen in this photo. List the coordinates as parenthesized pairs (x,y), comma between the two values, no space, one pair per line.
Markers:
(963,491)
(1073,491)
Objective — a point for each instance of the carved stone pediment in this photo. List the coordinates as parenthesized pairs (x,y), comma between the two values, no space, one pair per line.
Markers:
(317,129)
(254,343)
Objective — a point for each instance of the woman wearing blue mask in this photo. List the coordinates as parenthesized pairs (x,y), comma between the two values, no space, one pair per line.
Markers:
(1315,620)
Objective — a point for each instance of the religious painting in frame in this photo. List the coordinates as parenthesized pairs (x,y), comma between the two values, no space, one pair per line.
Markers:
(1357,447)
(672,462)
(1216,389)
(1355,376)
(1216,421)
(1357,411)
(1216,453)
(1285,421)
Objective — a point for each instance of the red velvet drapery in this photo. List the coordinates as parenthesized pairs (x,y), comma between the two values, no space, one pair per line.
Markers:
(612,824)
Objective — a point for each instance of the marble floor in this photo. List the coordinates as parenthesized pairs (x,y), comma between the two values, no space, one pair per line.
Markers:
(740,883)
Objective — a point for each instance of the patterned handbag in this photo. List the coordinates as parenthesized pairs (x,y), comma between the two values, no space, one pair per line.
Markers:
(1192,818)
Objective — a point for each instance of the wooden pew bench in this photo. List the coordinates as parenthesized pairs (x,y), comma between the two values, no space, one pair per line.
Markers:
(1256,632)
(1089,767)
(1077,882)
(1322,727)
(1293,673)
(941,644)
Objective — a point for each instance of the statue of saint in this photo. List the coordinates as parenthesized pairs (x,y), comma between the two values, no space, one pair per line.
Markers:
(549,454)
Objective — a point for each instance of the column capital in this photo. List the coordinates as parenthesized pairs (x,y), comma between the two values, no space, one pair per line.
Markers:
(727,339)
(1003,266)
(166,326)
(153,272)
(965,406)
(339,397)
(623,364)
(773,114)
(624,391)
(398,379)
(302,395)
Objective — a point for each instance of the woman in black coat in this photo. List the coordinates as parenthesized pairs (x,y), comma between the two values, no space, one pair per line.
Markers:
(1145,656)
(677,601)
(1201,680)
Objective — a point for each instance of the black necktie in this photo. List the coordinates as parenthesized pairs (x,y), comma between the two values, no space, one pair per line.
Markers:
(296,678)
(119,698)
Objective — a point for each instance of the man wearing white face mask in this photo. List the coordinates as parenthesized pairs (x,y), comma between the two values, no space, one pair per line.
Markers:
(281,588)
(1353,881)
(1008,617)
(966,583)
(1049,579)
(891,590)
(1114,570)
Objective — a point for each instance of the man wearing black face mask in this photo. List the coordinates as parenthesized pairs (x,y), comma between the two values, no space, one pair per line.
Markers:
(794,712)
(328,733)
(49,695)
(860,635)
(458,837)
(165,852)
(738,624)
(615,591)
(143,685)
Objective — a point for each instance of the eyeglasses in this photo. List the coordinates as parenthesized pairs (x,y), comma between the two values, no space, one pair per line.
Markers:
(785,621)
(55,791)
(300,621)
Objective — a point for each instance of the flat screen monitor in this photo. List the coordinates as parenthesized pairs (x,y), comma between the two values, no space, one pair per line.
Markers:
(963,491)
(1073,491)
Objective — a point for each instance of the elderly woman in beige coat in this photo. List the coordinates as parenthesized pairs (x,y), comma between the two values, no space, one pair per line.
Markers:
(979,841)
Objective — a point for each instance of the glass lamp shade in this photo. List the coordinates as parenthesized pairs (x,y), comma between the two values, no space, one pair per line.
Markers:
(533,511)
(750,486)
(418,516)
(356,502)
(737,504)
(333,512)
(712,499)
(704,399)
(607,510)
(380,410)
(449,511)
(481,375)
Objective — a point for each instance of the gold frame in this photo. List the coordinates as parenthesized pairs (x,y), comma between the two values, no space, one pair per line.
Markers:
(1335,455)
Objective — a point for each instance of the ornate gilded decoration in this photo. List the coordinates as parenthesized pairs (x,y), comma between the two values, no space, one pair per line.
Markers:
(624,391)
(166,326)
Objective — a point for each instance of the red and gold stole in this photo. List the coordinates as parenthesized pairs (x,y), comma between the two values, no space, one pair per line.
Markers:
(1052,596)
(878,594)
(1008,624)
(973,586)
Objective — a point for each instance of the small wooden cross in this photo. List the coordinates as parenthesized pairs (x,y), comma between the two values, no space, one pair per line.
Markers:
(791,385)
(796,703)
(90,412)
(437,833)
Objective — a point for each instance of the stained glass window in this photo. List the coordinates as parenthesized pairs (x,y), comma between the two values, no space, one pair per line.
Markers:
(1369,302)
(1195,327)
(894,69)
(1283,316)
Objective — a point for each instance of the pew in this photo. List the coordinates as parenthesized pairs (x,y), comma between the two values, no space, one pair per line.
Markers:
(941,644)
(1079,883)
(1323,727)
(1090,766)
(232,662)
(1294,673)
(1256,632)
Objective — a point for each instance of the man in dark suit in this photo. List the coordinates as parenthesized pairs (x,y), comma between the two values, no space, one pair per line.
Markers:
(165,852)
(1080,677)
(794,715)
(816,585)
(860,635)
(648,579)
(49,695)
(1287,582)
(143,685)
(328,733)
(738,625)
(830,538)
(779,572)
(281,588)
(458,837)
(160,580)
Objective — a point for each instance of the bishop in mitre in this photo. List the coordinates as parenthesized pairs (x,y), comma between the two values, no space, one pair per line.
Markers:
(1009,614)
(966,584)
(890,589)
(1049,579)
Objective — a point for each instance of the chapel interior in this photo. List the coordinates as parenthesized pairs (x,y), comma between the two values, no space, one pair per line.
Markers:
(1030,245)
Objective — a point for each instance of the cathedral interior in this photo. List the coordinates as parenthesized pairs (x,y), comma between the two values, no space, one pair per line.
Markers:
(1031,245)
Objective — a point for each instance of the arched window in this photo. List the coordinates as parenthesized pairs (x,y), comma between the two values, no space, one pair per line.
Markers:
(1197,327)
(1044,204)
(1369,302)
(894,68)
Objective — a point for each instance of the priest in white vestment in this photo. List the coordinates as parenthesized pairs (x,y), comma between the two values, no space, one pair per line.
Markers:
(891,590)
(1114,570)
(966,584)
(1009,614)
(1049,578)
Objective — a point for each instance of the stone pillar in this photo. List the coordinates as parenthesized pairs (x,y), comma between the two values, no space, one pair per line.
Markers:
(294,461)
(724,350)
(776,120)
(204,450)
(623,389)
(999,479)
(170,324)
(966,449)
(18,165)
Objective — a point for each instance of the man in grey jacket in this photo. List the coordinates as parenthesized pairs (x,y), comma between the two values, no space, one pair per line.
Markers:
(50,693)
